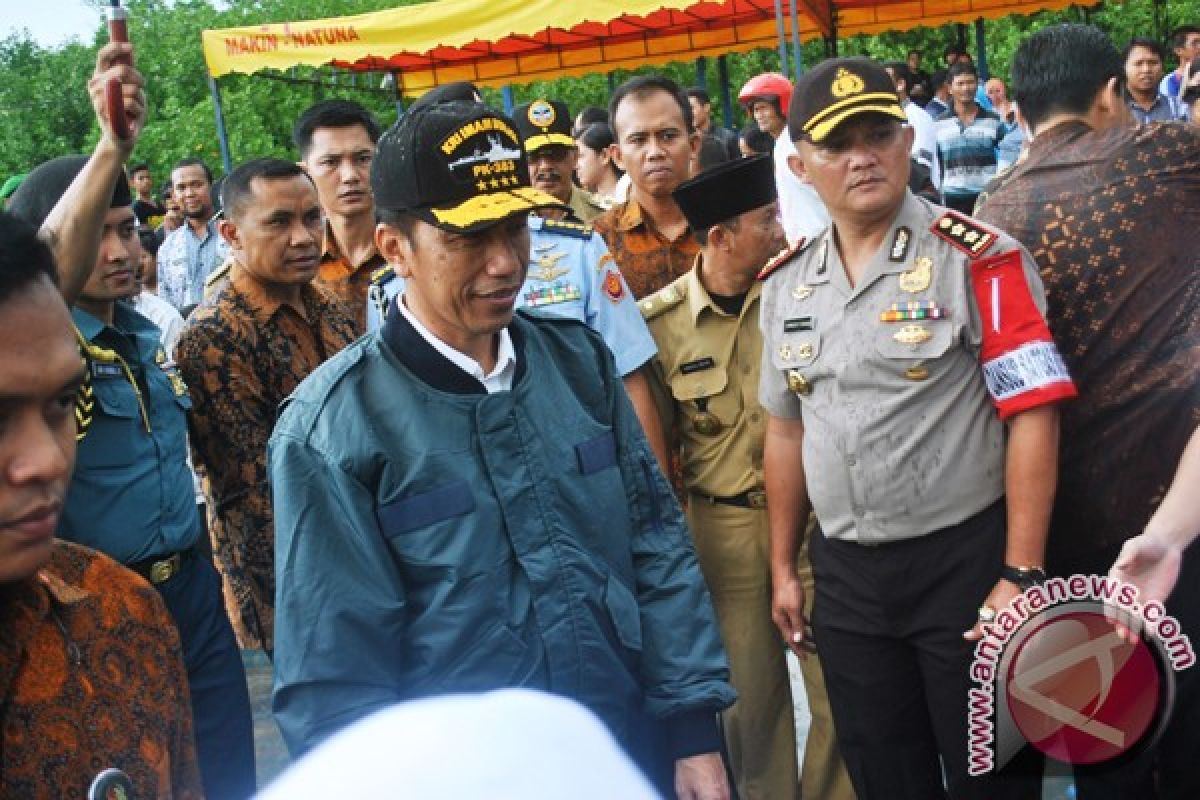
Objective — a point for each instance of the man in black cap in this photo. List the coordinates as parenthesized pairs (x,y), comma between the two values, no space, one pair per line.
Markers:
(705,381)
(545,128)
(879,357)
(467,496)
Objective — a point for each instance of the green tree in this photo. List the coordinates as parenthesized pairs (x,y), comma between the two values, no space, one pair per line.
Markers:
(45,110)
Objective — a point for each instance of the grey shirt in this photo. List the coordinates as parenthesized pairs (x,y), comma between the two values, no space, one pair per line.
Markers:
(900,436)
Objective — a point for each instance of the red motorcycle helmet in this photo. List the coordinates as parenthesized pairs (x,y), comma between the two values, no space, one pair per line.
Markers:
(770,86)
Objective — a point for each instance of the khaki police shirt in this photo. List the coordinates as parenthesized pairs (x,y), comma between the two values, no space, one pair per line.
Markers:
(900,437)
(708,361)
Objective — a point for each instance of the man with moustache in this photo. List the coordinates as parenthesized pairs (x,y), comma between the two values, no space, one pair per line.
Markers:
(911,384)
(466,497)
(704,379)
(193,250)
(132,496)
(648,234)
(336,140)
(545,128)
(243,351)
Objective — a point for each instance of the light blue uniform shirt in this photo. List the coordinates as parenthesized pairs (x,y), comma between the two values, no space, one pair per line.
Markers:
(131,496)
(572,275)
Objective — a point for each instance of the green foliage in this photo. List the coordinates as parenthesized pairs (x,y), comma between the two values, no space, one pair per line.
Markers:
(45,111)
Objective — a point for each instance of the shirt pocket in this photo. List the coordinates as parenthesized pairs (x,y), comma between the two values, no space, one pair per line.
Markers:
(705,392)
(112,438)
(623,611)
(798,350)
(444,535)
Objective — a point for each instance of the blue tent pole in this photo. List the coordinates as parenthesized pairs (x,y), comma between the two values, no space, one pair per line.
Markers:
(506,93)
(726,100)
(702,73)
(781,35)
(797,62)
(219,115)
(981,50)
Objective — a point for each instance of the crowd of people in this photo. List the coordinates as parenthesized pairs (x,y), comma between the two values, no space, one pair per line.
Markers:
(621,406)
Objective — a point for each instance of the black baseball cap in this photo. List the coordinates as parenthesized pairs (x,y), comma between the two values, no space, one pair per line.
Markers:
(456,165)
(46,184)
(727,190)
(464,91)
(837,89)
(543,123)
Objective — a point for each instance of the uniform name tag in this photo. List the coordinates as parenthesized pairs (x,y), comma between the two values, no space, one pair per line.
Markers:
(106,370)
(798,324)
(699,364)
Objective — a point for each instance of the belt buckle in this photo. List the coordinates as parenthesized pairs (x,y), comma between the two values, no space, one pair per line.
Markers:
(757,498)
(163,571)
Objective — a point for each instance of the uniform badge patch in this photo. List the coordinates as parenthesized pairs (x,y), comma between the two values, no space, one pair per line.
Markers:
(919,277)
(613,287)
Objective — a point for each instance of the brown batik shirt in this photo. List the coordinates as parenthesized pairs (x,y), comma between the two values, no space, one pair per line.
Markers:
(349,283)
(241,354)
(647,259)
(1113,220)
(91,677)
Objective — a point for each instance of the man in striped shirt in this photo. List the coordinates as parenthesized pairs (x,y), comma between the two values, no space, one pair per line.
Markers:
(967,138)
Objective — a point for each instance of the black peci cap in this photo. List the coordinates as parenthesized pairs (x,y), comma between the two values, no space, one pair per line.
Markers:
(543,123)
(456,165)
(837,89)
(727,190)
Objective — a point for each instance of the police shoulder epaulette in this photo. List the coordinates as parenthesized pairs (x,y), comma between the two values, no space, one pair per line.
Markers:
(782,257)
(665,298)
(382,275)
(218,273)
(963,233)
(562,226)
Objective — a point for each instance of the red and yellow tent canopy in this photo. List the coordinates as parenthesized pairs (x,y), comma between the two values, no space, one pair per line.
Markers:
(493,42)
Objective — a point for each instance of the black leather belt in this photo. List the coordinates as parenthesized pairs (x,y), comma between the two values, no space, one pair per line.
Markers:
(161,570)
(751,498)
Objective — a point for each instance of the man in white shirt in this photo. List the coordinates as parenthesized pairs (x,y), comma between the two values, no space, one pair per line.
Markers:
(924,147)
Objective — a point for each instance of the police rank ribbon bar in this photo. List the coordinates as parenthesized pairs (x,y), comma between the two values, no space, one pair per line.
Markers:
(917,309)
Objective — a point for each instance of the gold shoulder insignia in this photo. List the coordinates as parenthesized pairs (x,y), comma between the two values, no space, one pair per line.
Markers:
(964,233)
(782,257)
(382,275)
(566,228)
(664,299)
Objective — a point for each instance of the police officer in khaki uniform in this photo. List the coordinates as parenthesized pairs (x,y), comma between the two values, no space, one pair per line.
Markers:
(705,382)
(898,348)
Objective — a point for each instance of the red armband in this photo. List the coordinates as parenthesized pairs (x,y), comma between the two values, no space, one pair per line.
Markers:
(1021,364)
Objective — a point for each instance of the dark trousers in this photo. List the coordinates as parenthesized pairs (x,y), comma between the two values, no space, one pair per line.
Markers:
(888,622)
(216,679)
(1176,756)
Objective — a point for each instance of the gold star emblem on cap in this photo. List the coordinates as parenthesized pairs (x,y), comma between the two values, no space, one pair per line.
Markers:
(846,83)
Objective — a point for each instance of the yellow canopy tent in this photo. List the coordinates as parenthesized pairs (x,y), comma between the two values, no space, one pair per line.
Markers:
(493,42)
(497,42)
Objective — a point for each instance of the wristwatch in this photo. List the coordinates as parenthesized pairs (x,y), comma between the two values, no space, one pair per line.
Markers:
(1023,577)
